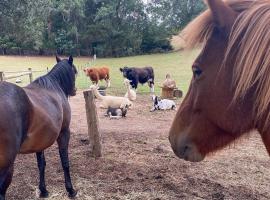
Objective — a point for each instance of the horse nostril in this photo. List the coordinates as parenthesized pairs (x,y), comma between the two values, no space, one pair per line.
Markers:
(184,150)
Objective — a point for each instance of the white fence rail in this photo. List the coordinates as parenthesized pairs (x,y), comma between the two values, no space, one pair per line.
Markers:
(16,74)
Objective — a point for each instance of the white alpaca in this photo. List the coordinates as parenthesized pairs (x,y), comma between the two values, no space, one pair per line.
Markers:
(110,101)
(131,94)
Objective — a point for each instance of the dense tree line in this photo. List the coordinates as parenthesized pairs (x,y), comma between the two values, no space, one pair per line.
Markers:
(87,27)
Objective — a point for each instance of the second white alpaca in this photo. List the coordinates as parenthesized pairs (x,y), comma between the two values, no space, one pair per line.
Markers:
(131,94)
(110,101)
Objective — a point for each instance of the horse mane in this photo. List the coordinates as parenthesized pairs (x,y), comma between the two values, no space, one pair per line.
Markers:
(248,47)
(251,67)
(61,78)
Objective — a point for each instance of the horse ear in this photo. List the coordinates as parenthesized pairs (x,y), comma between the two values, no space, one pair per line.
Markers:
(58,59)
(70,60)
(223,15)
(121,69)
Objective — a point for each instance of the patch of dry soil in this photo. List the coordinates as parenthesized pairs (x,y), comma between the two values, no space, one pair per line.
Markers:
(138,163)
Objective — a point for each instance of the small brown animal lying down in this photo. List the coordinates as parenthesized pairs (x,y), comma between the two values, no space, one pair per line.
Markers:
(116,113)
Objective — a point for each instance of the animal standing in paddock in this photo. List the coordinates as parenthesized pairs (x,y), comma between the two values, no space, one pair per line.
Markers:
(131,94)
(139,75)
(117,113)
(35,117)
(97,74)
(229,92)
(110,101)
(162,104)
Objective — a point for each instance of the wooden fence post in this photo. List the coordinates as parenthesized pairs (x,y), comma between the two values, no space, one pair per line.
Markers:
(92,122)
(1,76)
(30,75)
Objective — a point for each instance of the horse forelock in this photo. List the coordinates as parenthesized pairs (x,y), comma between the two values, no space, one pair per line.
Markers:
(249,49)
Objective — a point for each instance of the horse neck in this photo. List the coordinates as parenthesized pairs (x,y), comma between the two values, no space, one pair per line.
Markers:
(48,83)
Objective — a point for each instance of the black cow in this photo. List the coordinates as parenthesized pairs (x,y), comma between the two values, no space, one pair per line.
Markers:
(139,75)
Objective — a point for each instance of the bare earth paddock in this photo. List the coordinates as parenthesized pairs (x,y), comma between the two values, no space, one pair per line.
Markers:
(138,163)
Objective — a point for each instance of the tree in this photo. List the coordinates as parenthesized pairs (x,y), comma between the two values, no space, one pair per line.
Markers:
(114,26)
(102,27)
(174,14)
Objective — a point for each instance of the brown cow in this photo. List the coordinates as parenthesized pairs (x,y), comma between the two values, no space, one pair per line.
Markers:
(97,74)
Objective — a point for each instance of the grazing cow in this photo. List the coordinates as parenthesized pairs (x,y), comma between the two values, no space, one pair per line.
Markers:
(139,75)
(97,74)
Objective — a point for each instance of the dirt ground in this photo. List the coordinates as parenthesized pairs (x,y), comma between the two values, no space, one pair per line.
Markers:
(138,163)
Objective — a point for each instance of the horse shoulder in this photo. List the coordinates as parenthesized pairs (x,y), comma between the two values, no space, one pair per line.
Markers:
(46,120)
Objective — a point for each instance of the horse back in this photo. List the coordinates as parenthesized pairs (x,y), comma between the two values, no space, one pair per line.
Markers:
(15,109)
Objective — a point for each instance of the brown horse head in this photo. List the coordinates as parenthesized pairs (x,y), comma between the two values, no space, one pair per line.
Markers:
(68,77)
(228,93)
(61,77)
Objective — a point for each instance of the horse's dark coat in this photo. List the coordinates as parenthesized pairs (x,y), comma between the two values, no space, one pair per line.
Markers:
(32,118)
(139,75)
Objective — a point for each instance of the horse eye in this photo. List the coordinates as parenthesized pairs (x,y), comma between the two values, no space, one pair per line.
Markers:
(196,72)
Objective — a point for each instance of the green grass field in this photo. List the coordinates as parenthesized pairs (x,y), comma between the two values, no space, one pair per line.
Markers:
(178,64)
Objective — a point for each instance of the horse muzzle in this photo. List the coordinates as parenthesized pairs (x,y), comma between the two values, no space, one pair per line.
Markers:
(186,150)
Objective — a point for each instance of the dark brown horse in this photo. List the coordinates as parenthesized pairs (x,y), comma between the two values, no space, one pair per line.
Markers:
(229,94)
(33,118)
